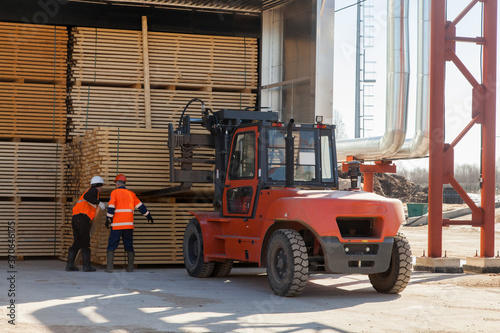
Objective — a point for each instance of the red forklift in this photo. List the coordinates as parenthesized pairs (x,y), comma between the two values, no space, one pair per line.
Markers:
(276,204)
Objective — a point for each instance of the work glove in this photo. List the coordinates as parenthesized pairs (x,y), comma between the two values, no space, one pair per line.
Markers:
(109,220)
(102,206)
(150,219)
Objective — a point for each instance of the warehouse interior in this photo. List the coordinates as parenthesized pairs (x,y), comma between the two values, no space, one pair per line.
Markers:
(88,87)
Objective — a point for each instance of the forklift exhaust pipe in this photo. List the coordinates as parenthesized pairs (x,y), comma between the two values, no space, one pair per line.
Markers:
(289,152)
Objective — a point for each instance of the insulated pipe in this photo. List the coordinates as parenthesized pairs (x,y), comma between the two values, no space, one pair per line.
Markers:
(419,145)
(398,72)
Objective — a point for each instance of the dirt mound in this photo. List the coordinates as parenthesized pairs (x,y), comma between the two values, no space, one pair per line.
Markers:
(395,186)
(398,187)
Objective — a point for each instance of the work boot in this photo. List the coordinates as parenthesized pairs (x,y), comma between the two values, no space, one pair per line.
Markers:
(110,257)
(70,265)
(86,262)
(130,259)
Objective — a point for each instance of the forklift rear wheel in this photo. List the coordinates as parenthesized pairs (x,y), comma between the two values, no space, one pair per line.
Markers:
(287,263)
(396,278)
(192,251)
(222,269)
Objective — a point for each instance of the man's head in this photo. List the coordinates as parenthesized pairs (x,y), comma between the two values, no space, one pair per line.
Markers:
(120,180)
(97,182)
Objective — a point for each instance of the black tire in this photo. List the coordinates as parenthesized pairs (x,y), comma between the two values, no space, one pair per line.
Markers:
(397,276)
(192,251)
(287,263)
(222,269)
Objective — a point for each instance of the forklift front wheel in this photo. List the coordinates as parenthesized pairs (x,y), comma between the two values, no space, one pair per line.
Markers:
(287,263)
(397,276)
(192,251)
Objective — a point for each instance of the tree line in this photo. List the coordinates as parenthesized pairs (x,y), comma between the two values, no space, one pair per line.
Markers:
(467,175)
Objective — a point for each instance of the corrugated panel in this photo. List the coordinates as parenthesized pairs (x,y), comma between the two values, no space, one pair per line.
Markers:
(246,6)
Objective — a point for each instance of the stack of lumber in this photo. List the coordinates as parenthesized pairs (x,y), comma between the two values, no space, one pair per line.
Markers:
(38,228)
(197,60)
(141,154)
(34,53)
(96,106)
(106,57)
(92,107)
(32,110)
(158,243)
(33,71)
(31,169)
(33,66)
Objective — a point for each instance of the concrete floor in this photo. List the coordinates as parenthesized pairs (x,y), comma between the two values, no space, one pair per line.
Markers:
(48,299)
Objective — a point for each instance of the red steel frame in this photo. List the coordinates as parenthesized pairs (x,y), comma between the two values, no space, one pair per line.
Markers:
(441,156)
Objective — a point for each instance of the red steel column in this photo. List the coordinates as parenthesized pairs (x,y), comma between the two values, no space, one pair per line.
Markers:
(436,154)
(488,130)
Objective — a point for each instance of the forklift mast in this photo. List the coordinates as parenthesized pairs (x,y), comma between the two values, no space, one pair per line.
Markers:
(183,144)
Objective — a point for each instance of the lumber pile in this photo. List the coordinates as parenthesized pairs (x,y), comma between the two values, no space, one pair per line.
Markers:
(31,169)
(106,57)
(33,81)
(38,228)
(32,110)
(197,60)
(95,106)
(33,53)
(158,243)
(142,155)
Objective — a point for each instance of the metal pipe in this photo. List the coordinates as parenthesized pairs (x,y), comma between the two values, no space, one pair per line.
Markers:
(398,71)
(419,145)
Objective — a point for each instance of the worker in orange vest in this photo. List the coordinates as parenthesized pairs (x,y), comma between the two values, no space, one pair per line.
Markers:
(120,217)
(83,214)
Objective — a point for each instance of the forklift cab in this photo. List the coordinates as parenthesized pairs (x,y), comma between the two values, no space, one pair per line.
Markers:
(257,160)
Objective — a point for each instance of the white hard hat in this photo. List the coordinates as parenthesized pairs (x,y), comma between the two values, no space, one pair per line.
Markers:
(96,180)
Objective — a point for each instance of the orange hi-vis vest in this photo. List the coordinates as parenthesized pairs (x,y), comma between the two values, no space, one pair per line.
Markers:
(124,202)
(85,207)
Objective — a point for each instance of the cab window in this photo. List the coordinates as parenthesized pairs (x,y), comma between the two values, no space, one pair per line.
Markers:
(242,165)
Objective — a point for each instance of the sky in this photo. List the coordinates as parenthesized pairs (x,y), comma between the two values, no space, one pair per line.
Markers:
(458,90)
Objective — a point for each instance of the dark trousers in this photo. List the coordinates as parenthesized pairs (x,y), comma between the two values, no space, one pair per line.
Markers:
(127,235)
(81,233)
